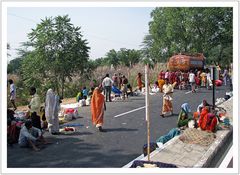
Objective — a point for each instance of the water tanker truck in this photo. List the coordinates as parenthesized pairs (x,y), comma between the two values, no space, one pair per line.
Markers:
(185,62)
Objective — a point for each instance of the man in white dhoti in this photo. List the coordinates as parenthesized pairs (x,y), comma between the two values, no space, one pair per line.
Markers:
(52,107)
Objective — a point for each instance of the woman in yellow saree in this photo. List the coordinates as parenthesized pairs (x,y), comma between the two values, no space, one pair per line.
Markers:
(167,98)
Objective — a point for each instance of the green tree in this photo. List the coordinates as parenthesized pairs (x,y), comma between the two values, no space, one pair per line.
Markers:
(147,51)
(191,30)
(112,58)
(129,57)
(14,65)
(58,53)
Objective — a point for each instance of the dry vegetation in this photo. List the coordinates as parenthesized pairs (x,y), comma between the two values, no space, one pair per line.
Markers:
(100,72)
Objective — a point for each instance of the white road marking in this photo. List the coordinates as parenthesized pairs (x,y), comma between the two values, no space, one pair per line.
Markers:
(129,112)
(188,92)
(191,91)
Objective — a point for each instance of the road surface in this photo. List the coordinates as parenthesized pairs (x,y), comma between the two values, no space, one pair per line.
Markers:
(122,142)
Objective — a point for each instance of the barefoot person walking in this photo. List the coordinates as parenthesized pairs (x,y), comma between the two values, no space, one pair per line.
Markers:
(167,98)
(97,108)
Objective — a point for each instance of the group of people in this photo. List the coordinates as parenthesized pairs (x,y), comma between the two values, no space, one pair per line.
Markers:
(204,118)
(121,82)
(30,130)
(193,78)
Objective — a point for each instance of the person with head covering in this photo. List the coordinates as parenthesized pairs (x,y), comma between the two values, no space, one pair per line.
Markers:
(161,81)
(184,115)
(202,123)
(97,108)
(202,105)
(167,98)
(207,120)
(52,107)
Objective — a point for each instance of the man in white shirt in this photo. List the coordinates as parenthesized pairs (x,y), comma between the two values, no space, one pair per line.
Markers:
(29,135)
(107,85)
(191,79)
(12,93)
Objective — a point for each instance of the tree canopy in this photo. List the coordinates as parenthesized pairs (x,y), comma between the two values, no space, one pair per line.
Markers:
(58,52)
(206,30)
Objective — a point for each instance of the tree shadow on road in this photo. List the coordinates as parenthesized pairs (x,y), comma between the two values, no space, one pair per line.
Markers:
(119,129)
(66,153)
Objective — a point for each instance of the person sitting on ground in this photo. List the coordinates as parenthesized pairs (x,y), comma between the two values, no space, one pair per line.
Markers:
(155,88)
(85,93)
(202,105)
(29,136)
(196,115)
(12,129)
(184,116)
(207,121)
(79,96)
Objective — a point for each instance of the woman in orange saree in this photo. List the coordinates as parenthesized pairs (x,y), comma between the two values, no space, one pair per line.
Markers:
(97,108)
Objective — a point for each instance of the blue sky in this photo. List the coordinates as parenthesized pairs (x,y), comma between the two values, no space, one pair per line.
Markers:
(104,28)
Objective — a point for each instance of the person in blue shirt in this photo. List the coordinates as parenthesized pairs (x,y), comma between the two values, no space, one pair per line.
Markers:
(85,93)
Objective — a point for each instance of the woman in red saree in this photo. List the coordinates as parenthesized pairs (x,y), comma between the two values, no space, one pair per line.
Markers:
(97,108)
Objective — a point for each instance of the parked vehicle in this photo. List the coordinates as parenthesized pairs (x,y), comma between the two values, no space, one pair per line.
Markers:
(185,62)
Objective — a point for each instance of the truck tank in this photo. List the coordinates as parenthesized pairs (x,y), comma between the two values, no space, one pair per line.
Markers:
(185,62)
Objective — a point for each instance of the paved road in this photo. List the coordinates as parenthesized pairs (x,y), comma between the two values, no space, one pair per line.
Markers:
(122,142)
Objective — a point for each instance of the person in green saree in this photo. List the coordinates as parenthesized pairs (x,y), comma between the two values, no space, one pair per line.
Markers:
(184,115)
